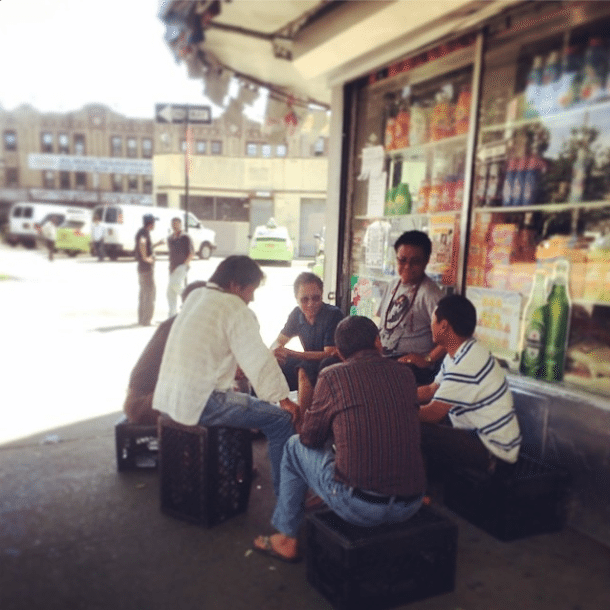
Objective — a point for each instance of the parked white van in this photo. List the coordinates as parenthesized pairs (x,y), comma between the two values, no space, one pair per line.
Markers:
(24,217)
(121,222)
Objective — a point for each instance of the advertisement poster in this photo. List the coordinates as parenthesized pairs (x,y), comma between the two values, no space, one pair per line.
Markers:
(444,236)
(366,296)
(498,320)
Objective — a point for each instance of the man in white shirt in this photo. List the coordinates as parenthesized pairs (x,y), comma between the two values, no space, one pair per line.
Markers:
(214,333)
(467,414)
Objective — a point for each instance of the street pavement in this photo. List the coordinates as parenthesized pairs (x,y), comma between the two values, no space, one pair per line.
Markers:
(69,335)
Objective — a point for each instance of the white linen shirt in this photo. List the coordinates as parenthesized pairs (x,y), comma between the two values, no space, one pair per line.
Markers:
(214,332)
(475,386)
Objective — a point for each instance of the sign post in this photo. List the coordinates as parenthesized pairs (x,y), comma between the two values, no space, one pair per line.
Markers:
(187,114)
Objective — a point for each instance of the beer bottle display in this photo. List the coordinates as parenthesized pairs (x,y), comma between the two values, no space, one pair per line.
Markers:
(557,324)
(535,328)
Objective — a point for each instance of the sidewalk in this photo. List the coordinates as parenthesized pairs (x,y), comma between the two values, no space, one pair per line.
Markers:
(75,534)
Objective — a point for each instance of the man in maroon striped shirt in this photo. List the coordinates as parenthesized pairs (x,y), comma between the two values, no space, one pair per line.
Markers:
(359,447)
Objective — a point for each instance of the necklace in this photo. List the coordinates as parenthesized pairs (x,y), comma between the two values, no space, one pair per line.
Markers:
(403,315)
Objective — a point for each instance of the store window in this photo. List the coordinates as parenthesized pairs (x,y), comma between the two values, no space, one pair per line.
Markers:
(216,147)
(79,145)
(12,176)
(48,179)
(319,147)
(183,145)
(132,183)
(147,148)
(80,181)
(266,150)
(201,147)
(147,185)
(281,150)
(539,256)
(46,142)
(64,180)
(132,148)
(10,140)
(63,144)
(251,149)
(116,146)
(117,183)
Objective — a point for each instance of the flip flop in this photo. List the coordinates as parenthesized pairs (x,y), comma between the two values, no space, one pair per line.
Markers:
(269,551)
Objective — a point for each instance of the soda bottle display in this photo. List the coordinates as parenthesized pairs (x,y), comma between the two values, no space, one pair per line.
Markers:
(557,324)
(535,328)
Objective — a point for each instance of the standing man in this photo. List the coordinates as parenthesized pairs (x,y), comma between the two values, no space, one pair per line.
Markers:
(180,248)
(49,233)
(467,414)
(214,333)
(367,406)
(97,234)
(146,271)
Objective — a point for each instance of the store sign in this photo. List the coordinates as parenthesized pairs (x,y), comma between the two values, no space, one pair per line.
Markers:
(100,165)
(182,113)
(64,195)
(498,319)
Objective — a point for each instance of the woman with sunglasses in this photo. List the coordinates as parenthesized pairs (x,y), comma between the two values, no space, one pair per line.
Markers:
(314,322)
(406,308)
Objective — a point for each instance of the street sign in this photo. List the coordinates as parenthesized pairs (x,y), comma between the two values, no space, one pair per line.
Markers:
(182,113)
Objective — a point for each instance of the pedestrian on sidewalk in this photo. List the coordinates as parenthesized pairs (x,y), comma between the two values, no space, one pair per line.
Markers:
(180,247)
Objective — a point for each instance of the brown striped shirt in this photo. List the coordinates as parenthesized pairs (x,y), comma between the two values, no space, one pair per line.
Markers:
(368,406)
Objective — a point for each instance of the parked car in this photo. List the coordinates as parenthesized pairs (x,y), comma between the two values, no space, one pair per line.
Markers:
(74,234)
(271,243)
(121,222)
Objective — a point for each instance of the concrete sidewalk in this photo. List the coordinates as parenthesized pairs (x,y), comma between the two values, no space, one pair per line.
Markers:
(75,534)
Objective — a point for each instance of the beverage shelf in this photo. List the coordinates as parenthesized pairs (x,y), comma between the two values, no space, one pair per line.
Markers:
(559,116)
(543,207)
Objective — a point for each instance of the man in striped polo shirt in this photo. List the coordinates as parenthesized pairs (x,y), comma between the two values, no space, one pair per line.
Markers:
(467,414)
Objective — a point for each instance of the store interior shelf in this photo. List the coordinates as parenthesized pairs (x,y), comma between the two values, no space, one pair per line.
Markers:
(411,216)
(418,150)
(543,207)
(559,116)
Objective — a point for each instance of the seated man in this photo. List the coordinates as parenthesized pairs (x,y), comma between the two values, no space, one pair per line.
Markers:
(467,414)
(367,407)
(314,322)
(143,379)
(406,307)
(214,333)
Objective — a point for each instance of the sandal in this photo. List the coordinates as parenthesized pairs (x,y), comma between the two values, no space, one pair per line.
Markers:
(269,551)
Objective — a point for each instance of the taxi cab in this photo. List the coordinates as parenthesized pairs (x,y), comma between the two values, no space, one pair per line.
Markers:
(271,243)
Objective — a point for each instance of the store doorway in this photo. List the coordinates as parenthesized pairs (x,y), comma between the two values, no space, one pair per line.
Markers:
(312,221)
(261,210)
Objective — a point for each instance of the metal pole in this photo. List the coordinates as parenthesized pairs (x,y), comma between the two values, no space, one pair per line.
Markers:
(186,172)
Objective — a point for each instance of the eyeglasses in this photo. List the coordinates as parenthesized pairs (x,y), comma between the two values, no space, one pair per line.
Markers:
(316,298)
(401,260)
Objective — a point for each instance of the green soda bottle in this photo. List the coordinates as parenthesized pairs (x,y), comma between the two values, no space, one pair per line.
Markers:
(402,199)
(558,320)
(535,328)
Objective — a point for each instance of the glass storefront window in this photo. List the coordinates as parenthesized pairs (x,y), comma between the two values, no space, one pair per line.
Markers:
(408,167)
(539,248)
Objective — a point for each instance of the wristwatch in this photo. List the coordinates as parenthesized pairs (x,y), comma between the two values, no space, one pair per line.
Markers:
(428,359)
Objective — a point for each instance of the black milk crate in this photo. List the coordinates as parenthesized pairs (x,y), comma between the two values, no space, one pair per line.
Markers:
(527,500)
(137,445)
(206,472)
(359,568)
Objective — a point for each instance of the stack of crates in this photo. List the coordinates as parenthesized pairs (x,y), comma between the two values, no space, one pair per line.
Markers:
(137,445)
(359,568)
(531,499)
(206,472)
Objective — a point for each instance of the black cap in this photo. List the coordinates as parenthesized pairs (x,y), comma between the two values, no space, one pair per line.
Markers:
(148,218)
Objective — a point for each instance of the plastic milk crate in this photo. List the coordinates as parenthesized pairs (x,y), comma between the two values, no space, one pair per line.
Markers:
(137,445)
(358,568)
(529,500)
(206,472)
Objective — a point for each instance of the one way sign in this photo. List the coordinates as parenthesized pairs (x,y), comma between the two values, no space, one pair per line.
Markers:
(182,113)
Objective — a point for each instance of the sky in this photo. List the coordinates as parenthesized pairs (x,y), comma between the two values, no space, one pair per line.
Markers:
(59,55)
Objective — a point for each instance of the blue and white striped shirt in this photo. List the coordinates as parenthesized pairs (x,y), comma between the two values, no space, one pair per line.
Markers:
(475,386)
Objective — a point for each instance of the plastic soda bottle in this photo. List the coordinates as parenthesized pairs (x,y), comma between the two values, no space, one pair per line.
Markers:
(534,328)
(557,324)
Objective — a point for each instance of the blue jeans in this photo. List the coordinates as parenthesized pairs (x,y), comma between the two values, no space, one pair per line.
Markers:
(303,467)
(236,410)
